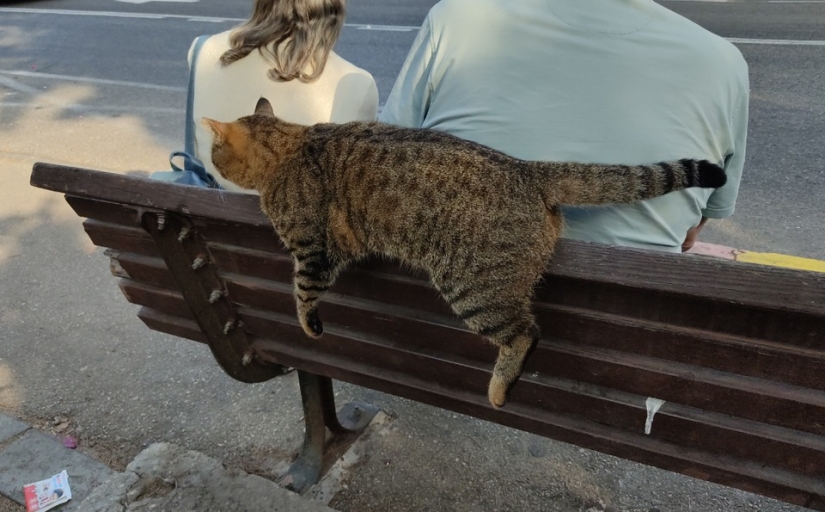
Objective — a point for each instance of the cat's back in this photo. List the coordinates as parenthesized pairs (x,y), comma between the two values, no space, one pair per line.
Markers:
(395,149)
(399,181)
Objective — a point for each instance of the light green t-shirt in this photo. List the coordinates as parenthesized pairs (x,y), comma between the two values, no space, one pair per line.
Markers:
(605,81)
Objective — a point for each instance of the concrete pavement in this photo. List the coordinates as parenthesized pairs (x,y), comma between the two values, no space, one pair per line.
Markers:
(28,455)
(162,477)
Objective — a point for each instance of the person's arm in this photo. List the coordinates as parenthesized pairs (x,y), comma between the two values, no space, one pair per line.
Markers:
(409,100)
(722,201)
(692,234)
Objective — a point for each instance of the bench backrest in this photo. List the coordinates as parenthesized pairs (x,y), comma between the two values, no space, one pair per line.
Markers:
(735,351)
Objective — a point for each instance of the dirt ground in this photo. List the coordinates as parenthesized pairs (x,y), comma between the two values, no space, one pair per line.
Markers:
(7,505)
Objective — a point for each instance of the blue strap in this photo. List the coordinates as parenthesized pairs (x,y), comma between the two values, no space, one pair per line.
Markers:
(189,141)
(193,171)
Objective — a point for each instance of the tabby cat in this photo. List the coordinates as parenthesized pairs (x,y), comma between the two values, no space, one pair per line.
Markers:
(483,224)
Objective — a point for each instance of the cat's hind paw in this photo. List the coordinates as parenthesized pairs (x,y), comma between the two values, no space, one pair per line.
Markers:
(497,392)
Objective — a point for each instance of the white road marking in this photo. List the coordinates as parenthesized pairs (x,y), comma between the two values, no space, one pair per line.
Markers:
(778,42)
(18,86)
(145,1)
(105,14)
(101,81)
(6,80)
(762,1)
(386,28)
(92,108)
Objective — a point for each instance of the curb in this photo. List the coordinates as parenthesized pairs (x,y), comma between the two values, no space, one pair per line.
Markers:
(168,477)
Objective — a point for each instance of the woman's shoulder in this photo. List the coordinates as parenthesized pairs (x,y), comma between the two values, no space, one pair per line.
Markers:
(212,44)
(341,67)
(217,43)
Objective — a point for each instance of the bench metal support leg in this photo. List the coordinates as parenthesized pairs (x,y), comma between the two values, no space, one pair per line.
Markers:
(187,258)
(319,451)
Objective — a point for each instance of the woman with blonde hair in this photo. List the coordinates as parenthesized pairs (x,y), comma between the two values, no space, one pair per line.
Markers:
(283,52)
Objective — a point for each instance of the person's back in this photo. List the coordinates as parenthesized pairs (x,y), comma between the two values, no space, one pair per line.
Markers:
(606,81)
(340,93)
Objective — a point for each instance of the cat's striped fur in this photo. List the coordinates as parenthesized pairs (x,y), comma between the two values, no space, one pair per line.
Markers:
(481,223)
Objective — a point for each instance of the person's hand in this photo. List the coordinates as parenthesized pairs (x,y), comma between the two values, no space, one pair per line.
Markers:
(692,234)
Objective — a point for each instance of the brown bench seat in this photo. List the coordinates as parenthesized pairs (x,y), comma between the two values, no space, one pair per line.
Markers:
(736,351)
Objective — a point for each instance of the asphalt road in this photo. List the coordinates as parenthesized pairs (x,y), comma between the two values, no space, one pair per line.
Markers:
(101,84)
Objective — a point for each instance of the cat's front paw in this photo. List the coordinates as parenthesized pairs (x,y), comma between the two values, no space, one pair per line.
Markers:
(311,323)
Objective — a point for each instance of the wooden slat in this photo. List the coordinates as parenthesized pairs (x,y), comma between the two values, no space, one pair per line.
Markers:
(770,402)
(744,356)
(145,269)
(104,211)
(143,192)
(121,238)
(674,308)
(728,436)
(257,238)
(169,324)
(251,262)
(709,278)
(159,299)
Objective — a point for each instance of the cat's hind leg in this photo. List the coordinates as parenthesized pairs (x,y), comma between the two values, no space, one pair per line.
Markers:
(501,313)
(509,365)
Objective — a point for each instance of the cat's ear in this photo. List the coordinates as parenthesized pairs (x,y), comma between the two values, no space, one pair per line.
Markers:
(218,129)
(264,107)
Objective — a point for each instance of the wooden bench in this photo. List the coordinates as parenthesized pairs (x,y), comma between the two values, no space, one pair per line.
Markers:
(735,351)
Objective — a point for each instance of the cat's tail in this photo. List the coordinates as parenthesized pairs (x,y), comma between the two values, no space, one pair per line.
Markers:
(594,184)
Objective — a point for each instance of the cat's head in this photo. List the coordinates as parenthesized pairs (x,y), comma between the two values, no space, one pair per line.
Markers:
(238,149)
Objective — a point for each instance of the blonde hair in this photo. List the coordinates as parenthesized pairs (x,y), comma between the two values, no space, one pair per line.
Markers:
(295,35)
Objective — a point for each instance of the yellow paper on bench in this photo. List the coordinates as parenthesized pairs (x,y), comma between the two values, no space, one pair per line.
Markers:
(782,260)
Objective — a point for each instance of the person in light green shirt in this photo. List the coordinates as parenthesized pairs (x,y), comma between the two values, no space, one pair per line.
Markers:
(604,81)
